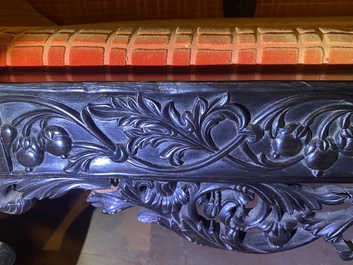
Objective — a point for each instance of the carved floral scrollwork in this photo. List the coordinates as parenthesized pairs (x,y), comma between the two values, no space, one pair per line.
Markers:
(17,195)
(257,218)
(317,139)
(147,123)
(162,137)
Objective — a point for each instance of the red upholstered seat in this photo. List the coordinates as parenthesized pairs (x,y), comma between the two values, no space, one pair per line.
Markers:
(180,43)
(117,47)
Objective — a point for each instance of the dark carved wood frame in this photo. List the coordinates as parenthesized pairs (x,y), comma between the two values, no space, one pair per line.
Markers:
(243,166)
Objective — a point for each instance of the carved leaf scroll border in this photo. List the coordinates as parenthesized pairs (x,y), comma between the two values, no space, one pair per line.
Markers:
(256,218)
(318,139)
(220,215)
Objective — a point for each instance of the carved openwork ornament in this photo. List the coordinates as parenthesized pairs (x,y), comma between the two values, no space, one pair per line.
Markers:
(217,163)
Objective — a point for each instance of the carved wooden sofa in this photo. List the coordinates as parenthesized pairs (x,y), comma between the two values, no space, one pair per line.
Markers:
(217,127)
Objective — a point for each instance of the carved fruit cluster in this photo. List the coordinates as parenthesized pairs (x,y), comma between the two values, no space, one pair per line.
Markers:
(30,150)
(319,153)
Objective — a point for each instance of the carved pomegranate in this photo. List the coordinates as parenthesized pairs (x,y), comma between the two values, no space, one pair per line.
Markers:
(345,141)
(28,153)
(320,155)
(55,140)
(291,139)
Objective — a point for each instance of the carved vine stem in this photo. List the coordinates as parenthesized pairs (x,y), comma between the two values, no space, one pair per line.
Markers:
(324,134)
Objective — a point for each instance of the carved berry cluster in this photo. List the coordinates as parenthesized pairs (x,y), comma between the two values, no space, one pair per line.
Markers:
(30,150)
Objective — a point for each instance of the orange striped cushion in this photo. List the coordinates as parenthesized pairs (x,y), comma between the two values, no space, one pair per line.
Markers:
(180,43)
(93,11)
